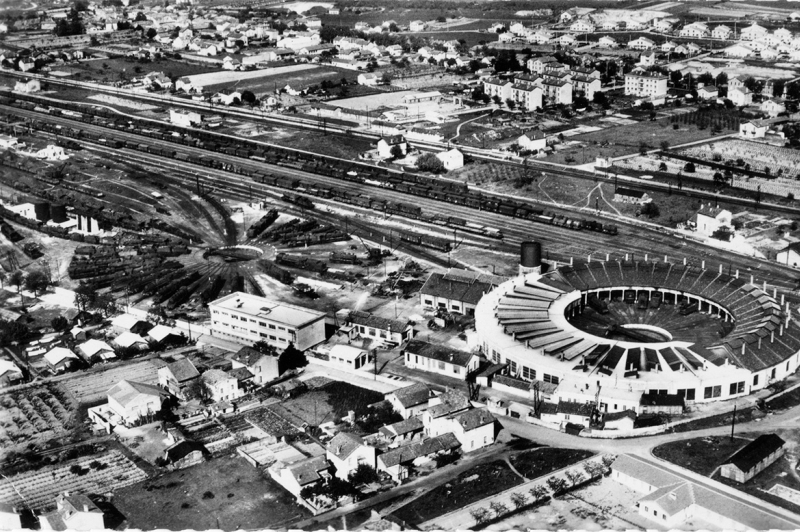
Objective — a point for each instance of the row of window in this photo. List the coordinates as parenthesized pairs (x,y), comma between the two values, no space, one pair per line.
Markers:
(433,364)
(251,320)
(526,372)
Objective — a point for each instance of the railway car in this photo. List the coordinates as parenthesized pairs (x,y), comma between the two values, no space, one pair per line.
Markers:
(300,201)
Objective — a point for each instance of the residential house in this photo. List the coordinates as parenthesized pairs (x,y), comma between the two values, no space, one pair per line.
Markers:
(347,451)
(416,25)
(582,25)
(707,92)
(452,159)
(646,84)
(722,32)
(539,64)
(769,54)
(60,359)
(753,458)
(642,43)
(348,358)
(209,50)
(648,58)
(436,358)
(403,431)
(587,85)
(220,385)
(739,50)
(386,144)
(753,32)
(607,41)
(396,462)
(528,95)
(709,219)
(304,473)
(227,97)
(132,401)
(29,85)
(783,35)
(474,428)
(753,129)
(534,140)
(619,420)
(384,330)
(669,46)
(96,350)
(567,412)
(129,340)
(498,88)
(457,290)
(790,255)
(368,79)
(264,367)
(628,195)
(178,376)
(663,25)
(10,374)
(157,81)
(437,417)
(697,30)
(556,91)
(566,40)
(165,335)
(773,108)
(410,400)
(73,512)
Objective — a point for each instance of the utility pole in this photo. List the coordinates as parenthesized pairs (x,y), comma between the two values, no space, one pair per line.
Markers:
(733,421)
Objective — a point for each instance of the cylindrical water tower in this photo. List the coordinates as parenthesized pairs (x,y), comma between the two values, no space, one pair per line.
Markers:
(530,257)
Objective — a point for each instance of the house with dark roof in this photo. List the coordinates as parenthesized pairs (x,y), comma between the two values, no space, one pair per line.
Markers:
(628,195)
(457,290)
(619,420)
(439,359)
(386,144)
(385,330)
(474,428)
(567,412)
(753,458)
(402,431)
(177,376)
(264,367)
(347,451)
(396,462)
(790,255)
(185,453)
(73,512)
(411,400)
(661,403)
(298,475)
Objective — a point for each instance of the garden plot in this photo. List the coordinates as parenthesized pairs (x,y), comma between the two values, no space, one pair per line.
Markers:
(34,414)
(94,474)
(90,387)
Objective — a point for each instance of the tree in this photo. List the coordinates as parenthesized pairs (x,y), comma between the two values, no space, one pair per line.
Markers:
(557,484)
(496,99)
(37,281)
(363,474)
(537,492)
(664,145)
(574,476)
(608,460)
(689,167)
(397,152)
(249,98)
(264,348)
(480,515)
(105,303)
(592,468)
(386,78)
(511,104)
(292,358)
(519,499)
(139,17)
(428,162)
(151,34)
(651,210)
(600,98)
(662,167)
(17,278)
(3,277)
(197,389)
(498,508)
(158,315)
(12,332)
(85,296)
(59,323)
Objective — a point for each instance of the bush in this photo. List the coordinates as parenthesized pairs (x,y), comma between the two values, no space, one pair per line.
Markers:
(208,495)
(689,167)
(428,162)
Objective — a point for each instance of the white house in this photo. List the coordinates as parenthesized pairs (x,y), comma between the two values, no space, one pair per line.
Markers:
(220,385)
(648,58)
(607,42)
(177,376)
(534,140)
(385,145)
(440,359)
(348,357)
(722,32)
(128,340)
(60,359)
(790,255)
(347,451)
(73,512)
(96,350)
(474,428)
(753,129)
(773,108)
(368,79)
(642,43)
(30,85)
(416,25)
(264,367)
(739,50)
(131,401)
(740,96)
(452,159)
(709,219)
(707,92)
(410,400)
(753,32)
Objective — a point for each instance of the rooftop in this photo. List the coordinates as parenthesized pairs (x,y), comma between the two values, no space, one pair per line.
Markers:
(755,451)
(261,307)
(439,352)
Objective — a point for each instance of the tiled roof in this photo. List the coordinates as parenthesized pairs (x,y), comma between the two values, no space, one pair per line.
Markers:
(308,471)
(344,444)
(573,408)
(614,416)
(368,320)
(413,395)
(473,419)
(450,402)
(400,428)
(124,392)
(438,352)
(408,453)
(183,370)
(214,376)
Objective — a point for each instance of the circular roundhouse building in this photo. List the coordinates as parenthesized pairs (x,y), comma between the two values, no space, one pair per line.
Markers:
(607,328)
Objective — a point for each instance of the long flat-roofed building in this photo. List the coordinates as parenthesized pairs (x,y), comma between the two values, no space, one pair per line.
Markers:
(246,319)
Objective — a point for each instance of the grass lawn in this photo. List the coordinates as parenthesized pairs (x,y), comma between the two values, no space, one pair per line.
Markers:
(537,462)
(787,400)
(701,455)
(472,485)
(743,415)
(95,69)
(225,493)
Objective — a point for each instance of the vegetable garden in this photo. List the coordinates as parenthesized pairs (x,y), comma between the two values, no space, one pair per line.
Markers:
(34,414)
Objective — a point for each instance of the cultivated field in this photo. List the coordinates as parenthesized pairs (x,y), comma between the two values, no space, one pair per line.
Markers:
(115,69)
(98,474)
(34,414)
(225,493)
(91,387)
(258,81)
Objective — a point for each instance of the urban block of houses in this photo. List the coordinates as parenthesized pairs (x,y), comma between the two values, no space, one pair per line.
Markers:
(396,462)
(264,367)
(221,386)
(347,451)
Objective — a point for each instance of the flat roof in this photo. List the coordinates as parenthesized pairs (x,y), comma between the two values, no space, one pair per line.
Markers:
(262,307)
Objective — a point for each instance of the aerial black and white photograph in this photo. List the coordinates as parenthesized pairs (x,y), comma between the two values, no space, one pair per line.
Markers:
(399,265)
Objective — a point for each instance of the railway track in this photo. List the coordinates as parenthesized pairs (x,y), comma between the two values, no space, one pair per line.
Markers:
(632,239)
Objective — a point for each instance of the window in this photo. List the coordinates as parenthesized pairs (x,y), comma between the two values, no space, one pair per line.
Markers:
(456,307)
(272,326)
(755,380)
(495,357)
(711,392)
(428,302)
(528,373)
(690,394)
(441,364)
(372,332)
(408,357)
(456,370)
(550,378)
(262,335)
(512,367)
(655,512)
(772,374)
(262,323)
(252,320)
(271,337)
(736,387)
(416,359)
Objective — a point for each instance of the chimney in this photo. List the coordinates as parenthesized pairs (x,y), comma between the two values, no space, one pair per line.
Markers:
(85,507)
(772,337)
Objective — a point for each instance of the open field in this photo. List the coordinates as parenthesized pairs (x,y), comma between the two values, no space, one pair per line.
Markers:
(260,81)
(34,414)
(472,485)
(92,386)
(111,69)
(99,474)
(701,455)
(537,462)
(225,493)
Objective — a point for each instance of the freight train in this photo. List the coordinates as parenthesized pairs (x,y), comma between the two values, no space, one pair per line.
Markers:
(409,183)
